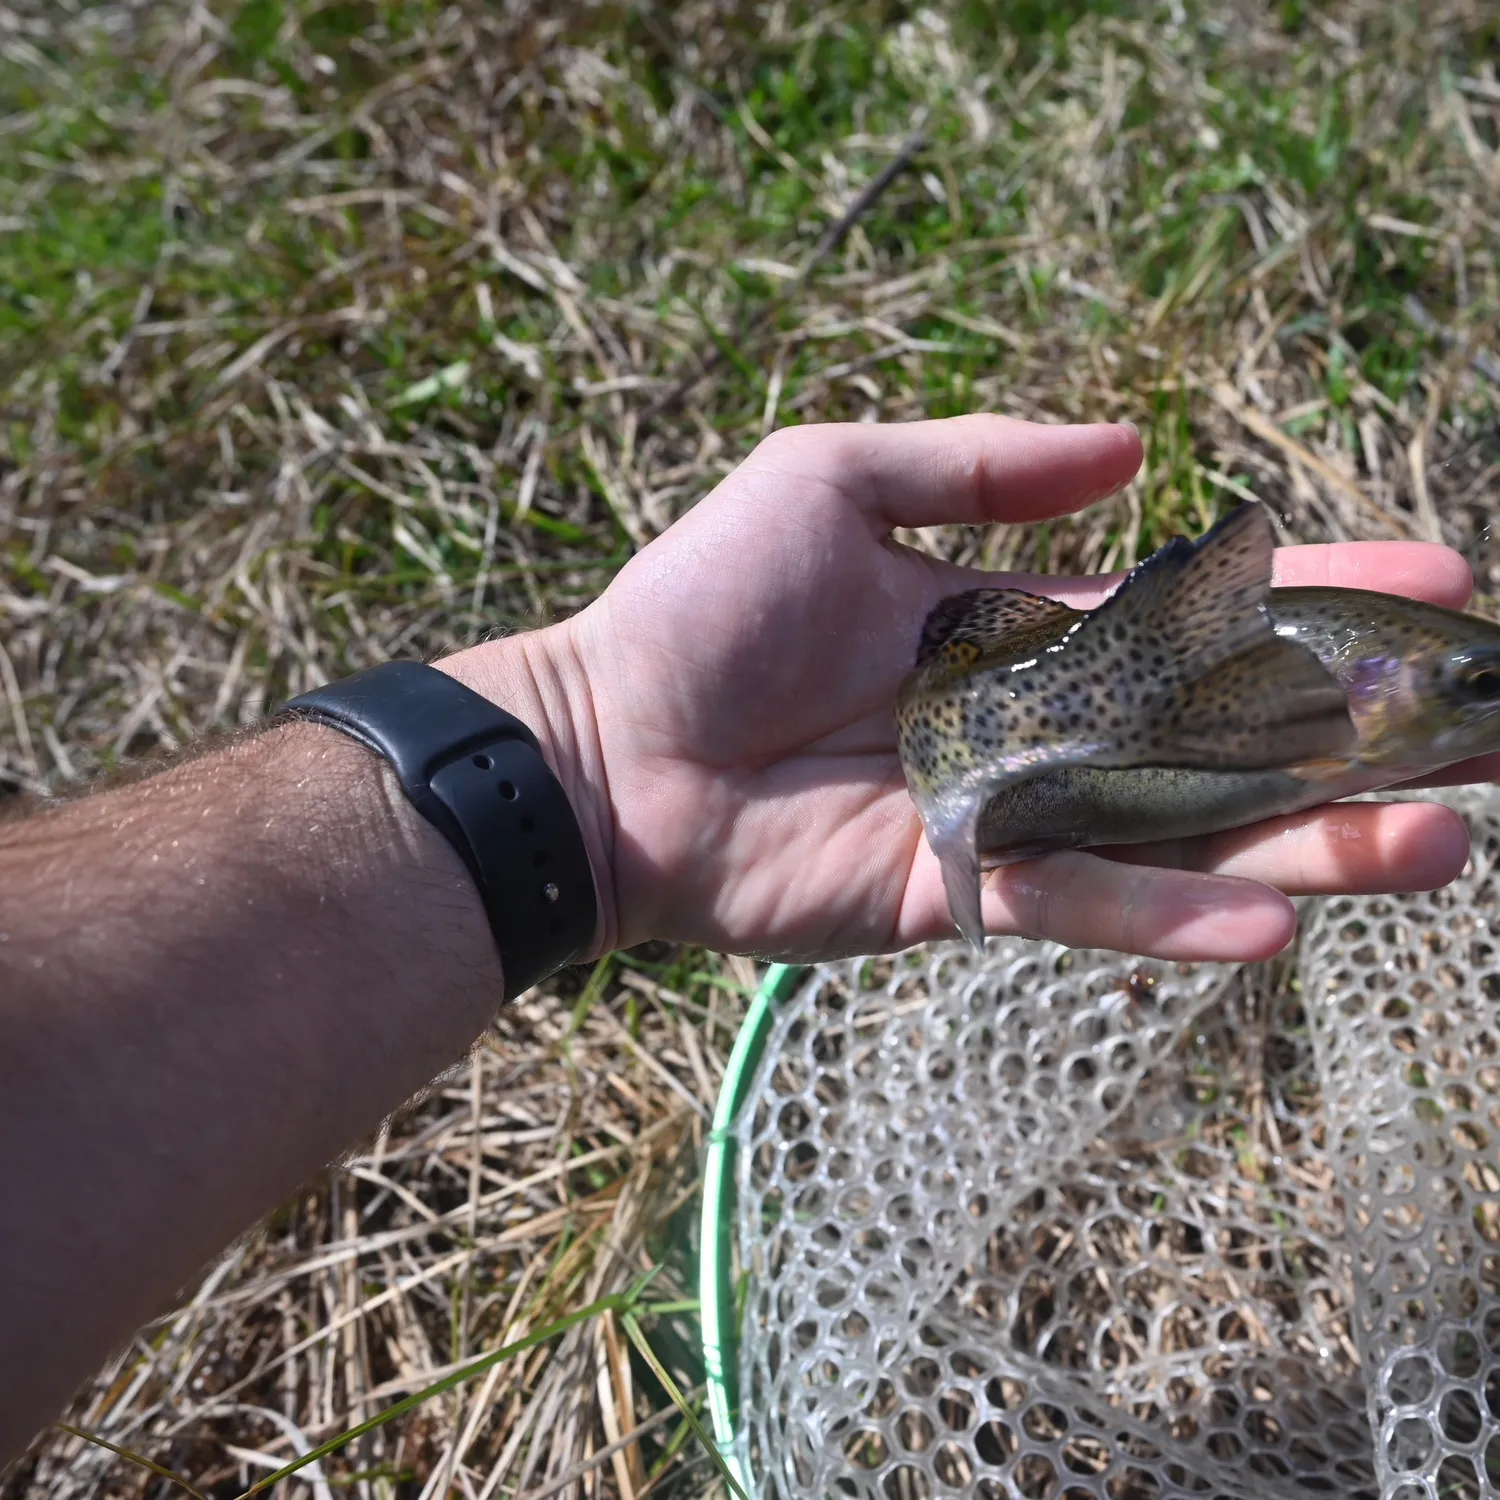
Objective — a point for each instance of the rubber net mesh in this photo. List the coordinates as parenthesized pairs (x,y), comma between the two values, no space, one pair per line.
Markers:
(1056,1223)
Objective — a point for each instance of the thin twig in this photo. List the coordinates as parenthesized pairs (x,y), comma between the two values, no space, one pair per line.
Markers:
(752,324)
(643,1345)
(1481,359)
(605,1454)
(139,1459)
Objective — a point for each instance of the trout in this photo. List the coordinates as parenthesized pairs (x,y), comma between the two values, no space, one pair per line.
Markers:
(1195,699)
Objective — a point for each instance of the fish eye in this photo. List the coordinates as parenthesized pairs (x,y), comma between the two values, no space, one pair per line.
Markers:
(1482,682)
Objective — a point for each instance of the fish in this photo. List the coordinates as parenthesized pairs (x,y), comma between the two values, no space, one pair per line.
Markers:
(1197,698)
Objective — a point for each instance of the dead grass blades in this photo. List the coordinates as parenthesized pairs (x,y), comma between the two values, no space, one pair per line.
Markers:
(332,330)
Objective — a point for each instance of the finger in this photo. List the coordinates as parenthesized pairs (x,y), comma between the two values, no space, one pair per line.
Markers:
(1415,570)
(1356,848)
(1086,902)
(967,470)
(1419,570)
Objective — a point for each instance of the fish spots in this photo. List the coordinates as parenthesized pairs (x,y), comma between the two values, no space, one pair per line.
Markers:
(980,619)
(1180,666)
(960,653)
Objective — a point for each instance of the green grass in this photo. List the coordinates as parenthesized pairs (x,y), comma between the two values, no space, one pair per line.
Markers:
(383,300)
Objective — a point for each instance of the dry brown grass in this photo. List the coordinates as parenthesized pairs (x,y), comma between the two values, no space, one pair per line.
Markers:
(324,345)
(552,1171)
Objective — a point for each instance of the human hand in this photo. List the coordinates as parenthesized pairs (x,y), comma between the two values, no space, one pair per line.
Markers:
(722,715)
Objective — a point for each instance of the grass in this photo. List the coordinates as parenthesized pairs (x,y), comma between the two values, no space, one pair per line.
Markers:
(330,331)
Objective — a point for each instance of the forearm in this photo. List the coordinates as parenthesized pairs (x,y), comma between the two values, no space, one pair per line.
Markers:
(212,983)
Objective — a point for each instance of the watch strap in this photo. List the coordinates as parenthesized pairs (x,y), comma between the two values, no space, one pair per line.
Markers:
(478,775)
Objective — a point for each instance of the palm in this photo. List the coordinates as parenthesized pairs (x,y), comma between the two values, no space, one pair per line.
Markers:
(743,670)
(755,719)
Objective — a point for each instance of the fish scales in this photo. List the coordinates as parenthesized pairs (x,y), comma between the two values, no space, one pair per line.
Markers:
(1196,699)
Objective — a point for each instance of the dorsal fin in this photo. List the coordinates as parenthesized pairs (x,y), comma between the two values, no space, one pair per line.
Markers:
(964,626)
(1202,601)
(1195,658)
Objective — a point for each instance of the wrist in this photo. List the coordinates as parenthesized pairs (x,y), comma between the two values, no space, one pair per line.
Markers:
(359,846)
(539,677)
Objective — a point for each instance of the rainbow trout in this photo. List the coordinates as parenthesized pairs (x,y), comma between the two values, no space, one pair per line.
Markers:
(1196,698)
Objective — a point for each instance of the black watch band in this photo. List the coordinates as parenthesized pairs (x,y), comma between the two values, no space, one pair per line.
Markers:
(477,774)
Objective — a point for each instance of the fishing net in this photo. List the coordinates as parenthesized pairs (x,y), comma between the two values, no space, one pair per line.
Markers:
(1053,1223)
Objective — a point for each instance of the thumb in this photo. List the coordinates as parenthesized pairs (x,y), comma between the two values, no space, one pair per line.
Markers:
(967,470)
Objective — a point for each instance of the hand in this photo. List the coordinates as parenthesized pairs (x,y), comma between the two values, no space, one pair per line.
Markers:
(724,715)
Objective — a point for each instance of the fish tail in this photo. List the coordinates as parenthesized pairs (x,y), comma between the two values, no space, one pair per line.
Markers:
(952,839)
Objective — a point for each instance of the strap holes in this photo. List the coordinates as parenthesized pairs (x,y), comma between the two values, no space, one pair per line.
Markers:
(507,789)
(483,762)
(540,858)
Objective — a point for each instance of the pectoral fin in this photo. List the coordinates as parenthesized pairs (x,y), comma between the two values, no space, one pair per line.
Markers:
(1187,669)
(1271,705)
